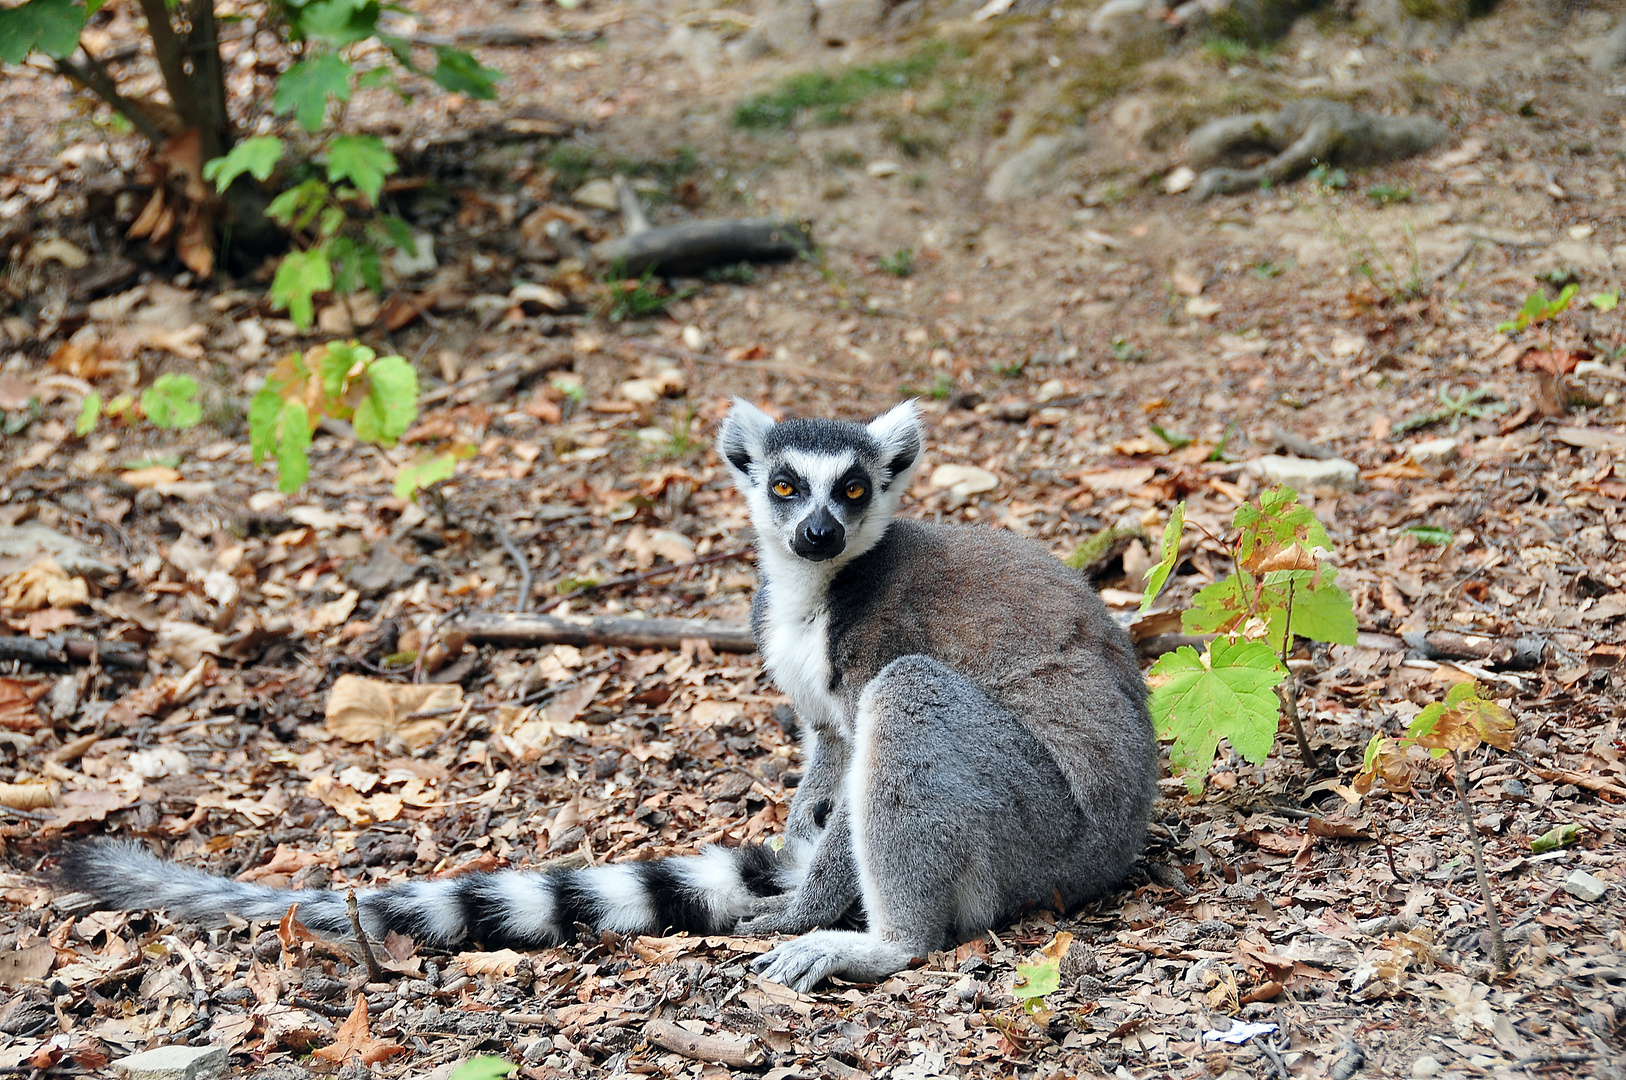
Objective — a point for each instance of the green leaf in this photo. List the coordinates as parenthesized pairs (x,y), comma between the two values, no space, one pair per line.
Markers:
(1605,301)
(484,1067)
(264,416)
(1321,612)
(459,72)
(1558,836)
(356,263)
(298,206)
(1171,555)
(293,447)
(338,22)
(395,232)
(51,26)
(424,470)
(339,359)
(1279,520)
(1431,535)
(304,89)
(1195,704)
(90,411)
(1044,977)
(168,401)
(391,403)
(363,160)
(256,157)
(301,276)
(1175,440)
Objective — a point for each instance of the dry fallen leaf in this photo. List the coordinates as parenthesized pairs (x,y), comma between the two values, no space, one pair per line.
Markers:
(371,710)
(502,963)
(17,698)
(26,796)
(354,1040)
(44,584)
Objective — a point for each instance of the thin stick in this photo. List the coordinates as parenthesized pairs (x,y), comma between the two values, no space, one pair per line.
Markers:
(1498,946)
(518,556)
(1288,689)
(635,579)
(98,82)
(374,972)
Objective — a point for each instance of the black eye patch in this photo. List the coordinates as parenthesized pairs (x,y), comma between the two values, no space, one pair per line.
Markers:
(785,484)
(854,489)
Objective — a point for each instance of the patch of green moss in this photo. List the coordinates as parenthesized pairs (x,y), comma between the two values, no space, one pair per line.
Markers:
(831,96)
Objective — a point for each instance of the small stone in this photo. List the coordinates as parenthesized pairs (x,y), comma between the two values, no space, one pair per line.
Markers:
(174,1063)
(1513,789)
(1179,180)
(1028,170)
(963,480)
(1425,1066)
(646,391)
(420,260)
(1201,307)
(1050,390)
(1581,232)
(883,169)
(1434,452)
(529,295)
(598,194)
(1584,887)
(1306,474)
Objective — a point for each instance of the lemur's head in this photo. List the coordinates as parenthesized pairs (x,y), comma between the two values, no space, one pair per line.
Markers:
(821,490)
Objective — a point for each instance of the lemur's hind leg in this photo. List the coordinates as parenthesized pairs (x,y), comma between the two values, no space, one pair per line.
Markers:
(958,816)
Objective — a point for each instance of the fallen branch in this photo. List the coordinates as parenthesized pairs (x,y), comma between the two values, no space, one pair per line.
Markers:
(692,247)
(57,649)
(502,378)
(517,629)
(647,575)
(729,1050)
(374,972)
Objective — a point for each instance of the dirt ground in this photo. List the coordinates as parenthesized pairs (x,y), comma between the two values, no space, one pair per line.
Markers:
(1046,330)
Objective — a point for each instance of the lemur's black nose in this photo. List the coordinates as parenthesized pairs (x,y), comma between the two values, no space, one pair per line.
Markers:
(820,537)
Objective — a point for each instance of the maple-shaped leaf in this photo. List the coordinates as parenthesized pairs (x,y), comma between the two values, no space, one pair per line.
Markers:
(363,160)
(1170,555)
(1038,980)
(1278,521)
(300,276)
(1319,610)
(1197,700)
(51,26)
(354,1040)
(305,87)
(257,157)
(1461,722)
(391,403)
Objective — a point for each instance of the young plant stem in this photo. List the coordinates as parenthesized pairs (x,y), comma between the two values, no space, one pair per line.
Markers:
(1288,688)
(1498,946)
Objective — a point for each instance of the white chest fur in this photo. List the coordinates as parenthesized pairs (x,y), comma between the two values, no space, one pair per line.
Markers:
(796,652)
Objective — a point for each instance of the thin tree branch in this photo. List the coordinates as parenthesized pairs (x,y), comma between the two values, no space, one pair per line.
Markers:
(1498,946)
(95,78)
(374,972)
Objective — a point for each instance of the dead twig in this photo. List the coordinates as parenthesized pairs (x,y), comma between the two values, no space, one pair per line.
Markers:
(1498,946)
(508,545)
(647,575)
(57,649)
(729,1050)
(514,629)
(374,972)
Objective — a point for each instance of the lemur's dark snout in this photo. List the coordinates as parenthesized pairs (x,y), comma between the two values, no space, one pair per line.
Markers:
(820,537)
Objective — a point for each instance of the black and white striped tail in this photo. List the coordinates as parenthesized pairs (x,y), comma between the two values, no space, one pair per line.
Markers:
(703,894)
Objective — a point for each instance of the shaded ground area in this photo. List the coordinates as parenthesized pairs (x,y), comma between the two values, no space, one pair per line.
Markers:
(1353,315)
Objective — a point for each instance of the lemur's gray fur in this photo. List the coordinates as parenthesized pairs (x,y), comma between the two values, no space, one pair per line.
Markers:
(974,721)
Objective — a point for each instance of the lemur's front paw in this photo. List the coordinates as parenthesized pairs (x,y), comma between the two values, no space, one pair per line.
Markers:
(770,915)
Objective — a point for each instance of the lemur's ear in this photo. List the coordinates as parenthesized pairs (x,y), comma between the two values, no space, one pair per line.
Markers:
(898,432)
(741,437)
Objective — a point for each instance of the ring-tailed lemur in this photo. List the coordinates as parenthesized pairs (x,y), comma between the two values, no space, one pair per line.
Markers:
(975,725)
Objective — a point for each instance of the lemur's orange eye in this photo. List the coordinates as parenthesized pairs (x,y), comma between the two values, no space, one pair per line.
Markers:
(855,490)
(783,489)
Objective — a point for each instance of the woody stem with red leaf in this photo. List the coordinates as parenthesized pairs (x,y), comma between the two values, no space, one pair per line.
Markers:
(1498,946)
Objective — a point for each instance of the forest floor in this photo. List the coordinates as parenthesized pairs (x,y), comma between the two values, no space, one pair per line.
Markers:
(1062,342)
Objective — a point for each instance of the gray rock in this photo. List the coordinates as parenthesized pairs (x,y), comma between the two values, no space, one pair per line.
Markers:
(174,1063)
(1027,172)
(25,543)
(751,45)
(1610,50)
(1304,474)
(421,260)
(841,21)
(1114,15)
(1425,1066)
(1584,887)
(787,26)
(1435,451)
(384,570)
